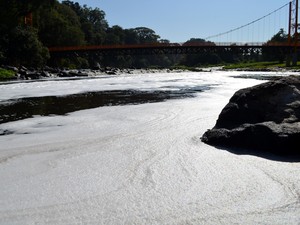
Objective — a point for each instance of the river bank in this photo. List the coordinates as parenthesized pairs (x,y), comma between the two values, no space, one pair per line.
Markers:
(8,73)
(22,73)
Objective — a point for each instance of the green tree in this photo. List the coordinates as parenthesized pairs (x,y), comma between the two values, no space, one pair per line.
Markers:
(280,37)
(206,57)
(270,54)
(115,35)
(130,37)
(195,41)
(12,13)
(92,21)
(60,26)
(25,48)
(146,35)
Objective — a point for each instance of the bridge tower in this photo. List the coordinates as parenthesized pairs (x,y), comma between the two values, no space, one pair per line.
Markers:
(293,34)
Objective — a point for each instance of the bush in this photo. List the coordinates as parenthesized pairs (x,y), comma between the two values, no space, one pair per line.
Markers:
(6,74)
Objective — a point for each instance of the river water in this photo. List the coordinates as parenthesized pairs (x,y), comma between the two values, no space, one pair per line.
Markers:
(134,161)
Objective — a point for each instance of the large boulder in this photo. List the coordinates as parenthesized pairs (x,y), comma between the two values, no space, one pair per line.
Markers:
(264,117)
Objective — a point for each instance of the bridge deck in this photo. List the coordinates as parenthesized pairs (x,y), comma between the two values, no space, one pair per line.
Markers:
(173,48)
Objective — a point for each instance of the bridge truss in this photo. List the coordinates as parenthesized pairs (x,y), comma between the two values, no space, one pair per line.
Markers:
(196,48)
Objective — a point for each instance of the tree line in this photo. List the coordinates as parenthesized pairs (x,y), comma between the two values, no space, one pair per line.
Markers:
(28,27)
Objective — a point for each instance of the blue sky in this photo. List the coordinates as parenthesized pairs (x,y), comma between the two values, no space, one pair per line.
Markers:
(181,20)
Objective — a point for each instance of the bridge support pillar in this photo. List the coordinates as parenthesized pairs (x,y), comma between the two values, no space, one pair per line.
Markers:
(288,60)
(294,59)
(293,32)
(291,59)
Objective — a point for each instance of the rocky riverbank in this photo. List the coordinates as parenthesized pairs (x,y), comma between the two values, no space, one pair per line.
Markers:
(23,73)
(265,117)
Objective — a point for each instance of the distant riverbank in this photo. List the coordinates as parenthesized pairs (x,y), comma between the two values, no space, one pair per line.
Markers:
(261,66)
(23,73)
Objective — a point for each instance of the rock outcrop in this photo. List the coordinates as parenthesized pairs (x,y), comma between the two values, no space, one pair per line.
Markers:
(265,117)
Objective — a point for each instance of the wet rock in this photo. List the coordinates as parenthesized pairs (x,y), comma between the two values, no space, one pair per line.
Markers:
(264,117)
(111,72)
(64,74)
(45,74)
(51,70)
(33,75)
(77,74)
(96,66)
(13,68)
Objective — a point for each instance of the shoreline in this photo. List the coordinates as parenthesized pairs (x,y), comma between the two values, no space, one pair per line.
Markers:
(23,73)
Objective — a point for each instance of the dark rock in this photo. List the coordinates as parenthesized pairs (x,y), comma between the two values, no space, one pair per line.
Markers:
(33,75)
(77,74)
(64,74)
(5,132)
(96,66)
(111,72)
(264,117)
(13,68)
(22,72)
(51,70)
(45,74)
(23,68)
(28,74)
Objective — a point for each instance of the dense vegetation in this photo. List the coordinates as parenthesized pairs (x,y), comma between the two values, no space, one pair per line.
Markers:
(28,27)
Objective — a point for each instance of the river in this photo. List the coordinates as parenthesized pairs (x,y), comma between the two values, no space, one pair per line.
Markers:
(137,162)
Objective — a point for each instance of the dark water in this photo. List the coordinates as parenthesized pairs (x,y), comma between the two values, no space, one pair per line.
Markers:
(258,76)
(23,108)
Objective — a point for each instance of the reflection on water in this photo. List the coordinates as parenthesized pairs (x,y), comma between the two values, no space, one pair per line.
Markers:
(60,105)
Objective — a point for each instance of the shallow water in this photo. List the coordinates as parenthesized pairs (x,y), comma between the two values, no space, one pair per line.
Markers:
(23,108)
(140,163)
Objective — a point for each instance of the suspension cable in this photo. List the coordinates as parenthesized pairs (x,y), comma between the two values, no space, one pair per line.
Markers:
(248,24)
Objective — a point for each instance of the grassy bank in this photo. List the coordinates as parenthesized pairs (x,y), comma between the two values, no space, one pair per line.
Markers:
(256,65)
(261,65)
(6,74)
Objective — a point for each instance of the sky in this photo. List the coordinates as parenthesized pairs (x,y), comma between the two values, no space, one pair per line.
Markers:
(179,20)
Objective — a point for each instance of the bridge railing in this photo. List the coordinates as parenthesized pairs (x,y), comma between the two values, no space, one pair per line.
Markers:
(167,45)
(224,44)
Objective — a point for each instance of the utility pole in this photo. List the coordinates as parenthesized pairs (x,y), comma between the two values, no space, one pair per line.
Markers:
(293,32)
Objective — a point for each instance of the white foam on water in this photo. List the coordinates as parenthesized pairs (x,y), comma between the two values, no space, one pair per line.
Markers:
(138,164)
